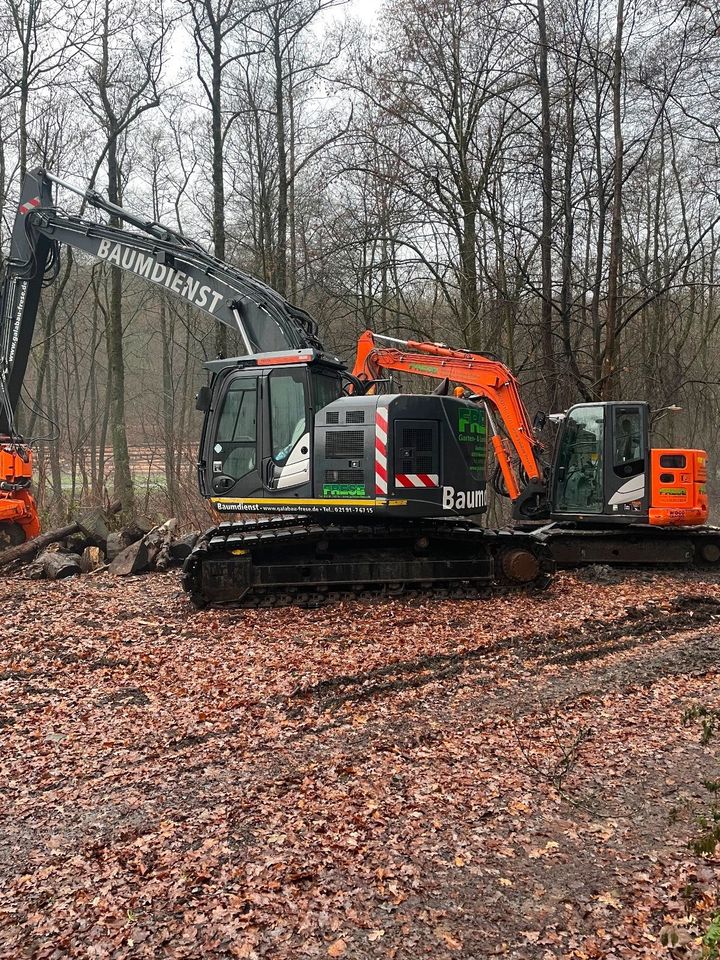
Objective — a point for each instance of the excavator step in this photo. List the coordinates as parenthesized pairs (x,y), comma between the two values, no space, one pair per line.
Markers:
(284,560)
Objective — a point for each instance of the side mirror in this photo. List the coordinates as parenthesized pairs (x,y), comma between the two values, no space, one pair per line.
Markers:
(203,398)
(539,422)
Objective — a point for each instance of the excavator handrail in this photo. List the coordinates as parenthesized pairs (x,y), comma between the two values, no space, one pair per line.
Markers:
(488,378)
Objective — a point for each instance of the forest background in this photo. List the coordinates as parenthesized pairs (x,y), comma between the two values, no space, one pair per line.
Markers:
(536,180)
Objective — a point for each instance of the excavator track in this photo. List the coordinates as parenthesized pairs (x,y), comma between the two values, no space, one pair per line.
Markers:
(308,561)
(638,545)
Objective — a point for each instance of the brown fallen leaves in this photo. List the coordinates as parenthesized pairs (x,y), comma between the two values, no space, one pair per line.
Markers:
(402,780)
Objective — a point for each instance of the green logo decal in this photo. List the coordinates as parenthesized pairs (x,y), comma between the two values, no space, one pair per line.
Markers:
(674,491)
(422,368)
(343,489)
(471,421)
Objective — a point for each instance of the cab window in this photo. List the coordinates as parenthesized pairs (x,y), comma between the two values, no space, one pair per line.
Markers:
(325,390)
(287,411)
(579,463)
(629,452)
(235,441)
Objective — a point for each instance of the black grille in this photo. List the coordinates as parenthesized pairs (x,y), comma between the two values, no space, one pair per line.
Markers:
(418,464)
(416,450)
(418,438)
(344,443)
(344,476)
(332,417)
(355,416)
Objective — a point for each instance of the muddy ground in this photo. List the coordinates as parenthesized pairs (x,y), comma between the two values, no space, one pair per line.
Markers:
(398,779)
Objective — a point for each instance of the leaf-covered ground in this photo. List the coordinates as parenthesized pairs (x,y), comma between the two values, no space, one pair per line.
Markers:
(400,779)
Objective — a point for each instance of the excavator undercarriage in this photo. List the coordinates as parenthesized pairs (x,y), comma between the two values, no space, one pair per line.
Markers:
(307,561)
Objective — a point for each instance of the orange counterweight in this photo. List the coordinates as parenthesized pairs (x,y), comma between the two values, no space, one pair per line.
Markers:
(678,487)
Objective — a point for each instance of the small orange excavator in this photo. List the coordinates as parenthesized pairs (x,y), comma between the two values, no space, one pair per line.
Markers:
(607,497)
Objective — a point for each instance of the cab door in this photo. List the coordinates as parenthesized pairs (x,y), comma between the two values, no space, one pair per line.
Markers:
(578,480)
(288,435)
(627,473)
(601,463)
(233,453)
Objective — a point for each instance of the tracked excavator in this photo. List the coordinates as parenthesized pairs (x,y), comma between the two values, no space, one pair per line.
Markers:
(327,483)
(606,496)
(289,438)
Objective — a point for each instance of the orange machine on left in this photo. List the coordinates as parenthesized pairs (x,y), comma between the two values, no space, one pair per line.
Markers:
(18,513)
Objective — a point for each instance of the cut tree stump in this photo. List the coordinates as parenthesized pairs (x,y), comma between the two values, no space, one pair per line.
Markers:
(58,566)
(92,558)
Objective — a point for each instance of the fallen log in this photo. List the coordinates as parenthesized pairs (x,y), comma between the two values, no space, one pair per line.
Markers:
(58,566)
(31,548)
(132,559)
(119,541)
(181,548)
(158,541)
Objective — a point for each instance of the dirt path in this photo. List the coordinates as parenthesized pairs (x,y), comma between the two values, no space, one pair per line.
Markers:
(400,779)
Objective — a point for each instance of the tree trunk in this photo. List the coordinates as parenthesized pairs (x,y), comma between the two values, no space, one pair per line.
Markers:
(613,303)
(221,342)
(122,482)
(280,275)
(546,306)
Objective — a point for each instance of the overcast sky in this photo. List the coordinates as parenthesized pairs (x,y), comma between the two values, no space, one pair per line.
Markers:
(364,9)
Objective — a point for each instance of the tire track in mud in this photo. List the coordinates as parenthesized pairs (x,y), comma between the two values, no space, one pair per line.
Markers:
(591,640)
(318,709)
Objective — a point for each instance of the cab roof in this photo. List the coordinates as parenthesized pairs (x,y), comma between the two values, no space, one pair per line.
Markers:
(306,355)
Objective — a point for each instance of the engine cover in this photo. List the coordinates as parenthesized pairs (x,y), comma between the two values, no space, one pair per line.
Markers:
(405,454)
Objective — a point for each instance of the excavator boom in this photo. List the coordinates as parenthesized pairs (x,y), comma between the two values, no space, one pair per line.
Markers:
(264,320)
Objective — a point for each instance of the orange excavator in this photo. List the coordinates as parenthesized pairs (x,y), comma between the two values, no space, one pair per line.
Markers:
(18,513)
(608,496)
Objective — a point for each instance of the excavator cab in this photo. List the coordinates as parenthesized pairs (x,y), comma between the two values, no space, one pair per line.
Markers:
(605,469)
(257,436)
(280,435)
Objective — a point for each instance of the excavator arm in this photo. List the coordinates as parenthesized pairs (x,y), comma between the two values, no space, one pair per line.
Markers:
(265,321)
(490,381)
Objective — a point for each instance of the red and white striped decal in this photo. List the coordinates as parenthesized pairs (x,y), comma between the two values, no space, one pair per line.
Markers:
(381,428)
(417,480)
(29,205)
